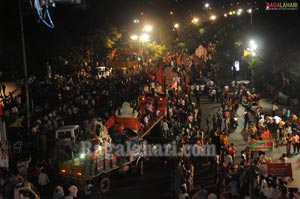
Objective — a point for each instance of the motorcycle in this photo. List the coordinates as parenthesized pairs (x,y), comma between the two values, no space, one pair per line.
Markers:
(234,121)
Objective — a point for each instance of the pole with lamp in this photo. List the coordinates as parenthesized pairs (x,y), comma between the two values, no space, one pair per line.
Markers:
(250,12)
(172,14)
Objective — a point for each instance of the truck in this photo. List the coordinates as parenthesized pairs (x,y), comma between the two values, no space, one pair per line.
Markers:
(26,190)
(117,149)
(96,164)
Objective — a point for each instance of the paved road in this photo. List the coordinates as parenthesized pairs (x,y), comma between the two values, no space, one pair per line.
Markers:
(155,183)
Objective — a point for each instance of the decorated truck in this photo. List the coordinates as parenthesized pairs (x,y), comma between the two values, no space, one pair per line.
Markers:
(117,148)
(99,157)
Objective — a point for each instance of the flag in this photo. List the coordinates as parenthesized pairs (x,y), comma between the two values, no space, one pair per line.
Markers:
(110,122)
(160,75)
(246,53)
(113,52)
(179,58)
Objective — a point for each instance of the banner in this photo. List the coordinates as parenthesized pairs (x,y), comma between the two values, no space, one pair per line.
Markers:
(160,75)
(261,144)
(280,169)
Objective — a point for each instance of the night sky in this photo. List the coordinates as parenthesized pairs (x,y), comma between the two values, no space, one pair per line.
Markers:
(75,20)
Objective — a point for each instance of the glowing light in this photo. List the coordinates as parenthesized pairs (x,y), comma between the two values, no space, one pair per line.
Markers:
(195,20)
(252,45)
(134,37)
(213,17)
(82,156)
(145,37)
(148,28)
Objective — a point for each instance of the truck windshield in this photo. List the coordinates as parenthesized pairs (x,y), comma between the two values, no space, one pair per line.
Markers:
(64,135)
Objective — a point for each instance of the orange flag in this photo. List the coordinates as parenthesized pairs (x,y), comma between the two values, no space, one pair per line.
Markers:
(113,52)
(179,59)
(160,75)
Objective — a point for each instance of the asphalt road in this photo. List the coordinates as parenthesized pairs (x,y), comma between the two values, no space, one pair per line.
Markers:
(155,183)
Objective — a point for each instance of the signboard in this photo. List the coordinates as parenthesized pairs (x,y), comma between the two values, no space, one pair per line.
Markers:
(261,144)
(280,169)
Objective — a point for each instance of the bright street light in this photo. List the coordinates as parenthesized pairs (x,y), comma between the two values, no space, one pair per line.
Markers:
(206,5)
(134,37)
(145,37)
(249,10)
(252,45)
(176,25)
(148,28)
(213,17)
(195,20)
(136,21)
(172,14)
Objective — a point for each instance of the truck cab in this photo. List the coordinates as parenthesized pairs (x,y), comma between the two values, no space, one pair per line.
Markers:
(67,133)
(26,191)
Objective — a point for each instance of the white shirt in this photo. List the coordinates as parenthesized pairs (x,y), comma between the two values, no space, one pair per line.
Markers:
(43,179)
(228,159)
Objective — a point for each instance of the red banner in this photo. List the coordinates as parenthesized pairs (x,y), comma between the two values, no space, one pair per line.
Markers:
(280,169)
(160,75)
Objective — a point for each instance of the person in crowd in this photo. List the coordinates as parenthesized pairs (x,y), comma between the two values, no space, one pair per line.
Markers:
(232,151)
(165,129)
(283,158)
(183,194)
(246,118)
(202,192)
(43,180)
(58,193)
(295,142)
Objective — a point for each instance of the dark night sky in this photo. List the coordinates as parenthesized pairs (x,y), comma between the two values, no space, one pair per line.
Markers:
(73,19)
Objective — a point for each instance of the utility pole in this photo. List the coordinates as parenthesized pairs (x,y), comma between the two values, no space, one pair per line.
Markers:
(24,66)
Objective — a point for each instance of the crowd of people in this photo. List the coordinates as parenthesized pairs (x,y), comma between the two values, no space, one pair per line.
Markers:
(79,98)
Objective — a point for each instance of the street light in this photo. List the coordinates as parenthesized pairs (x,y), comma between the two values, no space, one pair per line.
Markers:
(250,12)
(252,45)
(172,14)
(134,37)
(195,20)
(145,37)
(251,50)
(206,5)
(147,28)
(213,17)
